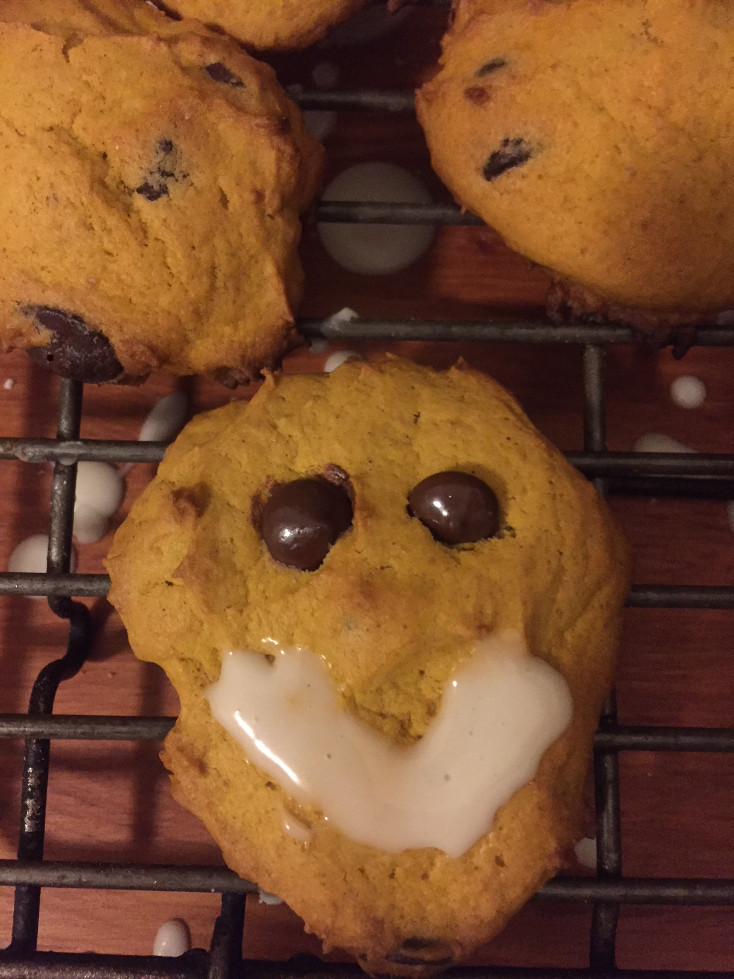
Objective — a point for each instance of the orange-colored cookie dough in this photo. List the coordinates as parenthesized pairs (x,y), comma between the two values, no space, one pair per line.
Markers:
(269,24)
(404,605)
(153,177)
(597,138)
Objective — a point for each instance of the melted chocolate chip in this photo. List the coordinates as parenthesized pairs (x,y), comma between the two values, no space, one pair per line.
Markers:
(302,519)
(166,169)
(152,192)
(75,351)
(490,66)
(512,153)
(457,508)
(219,72)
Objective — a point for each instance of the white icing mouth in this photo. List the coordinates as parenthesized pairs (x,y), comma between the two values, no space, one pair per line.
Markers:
(500,712)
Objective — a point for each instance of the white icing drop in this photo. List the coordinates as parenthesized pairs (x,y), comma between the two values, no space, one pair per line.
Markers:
(31,556)
(8,383)
(99,485)
(500,712)
(320,122)
(338,358)
(376,249)
(264,897)
(172,939)
(166,419)
(99,492)
(345,315)
(688,391)
(654,442)
(89,524)
(585,851)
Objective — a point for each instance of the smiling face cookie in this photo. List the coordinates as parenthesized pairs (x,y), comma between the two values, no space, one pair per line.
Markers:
(597,138)
(389,608)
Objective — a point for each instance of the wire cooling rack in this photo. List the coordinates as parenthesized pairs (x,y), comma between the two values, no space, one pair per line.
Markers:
(703,476)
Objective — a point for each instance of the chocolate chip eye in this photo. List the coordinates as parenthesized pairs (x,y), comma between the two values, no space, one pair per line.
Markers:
(75,350)
(457,508)
(512,153)
(301,520)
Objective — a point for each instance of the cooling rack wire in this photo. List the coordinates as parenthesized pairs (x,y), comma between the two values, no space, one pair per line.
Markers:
(675,475)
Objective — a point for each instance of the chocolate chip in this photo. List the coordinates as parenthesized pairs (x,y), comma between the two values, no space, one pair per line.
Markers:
(165,169)
(302,519)
(220,73)
(512,153)
(152,192)
(75,351)
(456,507)
(489,66)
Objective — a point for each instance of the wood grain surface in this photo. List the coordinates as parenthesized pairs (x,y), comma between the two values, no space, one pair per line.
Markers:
(110,801)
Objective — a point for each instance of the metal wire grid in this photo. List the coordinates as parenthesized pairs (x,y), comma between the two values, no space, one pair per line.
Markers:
(702,476)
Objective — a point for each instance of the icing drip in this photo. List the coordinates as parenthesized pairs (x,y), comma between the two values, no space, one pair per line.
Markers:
(376,249)
(500,712)
(172,939)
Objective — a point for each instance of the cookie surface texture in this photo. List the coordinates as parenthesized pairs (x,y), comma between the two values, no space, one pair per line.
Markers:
(598,139)
(270,24)
(153,178)
(91,17)
(394,615)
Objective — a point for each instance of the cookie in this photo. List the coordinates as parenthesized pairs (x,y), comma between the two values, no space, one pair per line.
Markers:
(269,24)
(597,138)
(91,17)
(389,608)
(153,176)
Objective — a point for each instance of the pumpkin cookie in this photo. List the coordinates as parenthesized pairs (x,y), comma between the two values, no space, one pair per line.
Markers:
(153,178)
(389,608)
(598,139)
(269,24)
(92,17)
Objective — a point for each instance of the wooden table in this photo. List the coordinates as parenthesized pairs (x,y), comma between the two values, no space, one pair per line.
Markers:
(109,801)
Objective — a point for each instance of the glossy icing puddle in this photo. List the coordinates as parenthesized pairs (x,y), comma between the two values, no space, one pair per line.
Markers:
(500,712)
